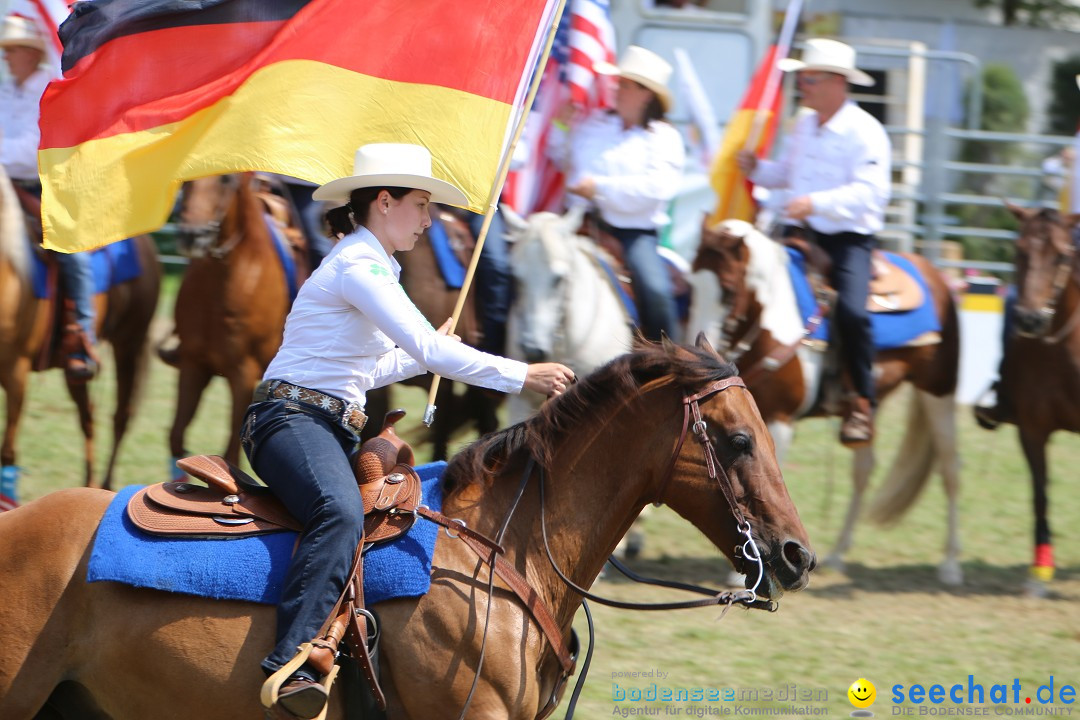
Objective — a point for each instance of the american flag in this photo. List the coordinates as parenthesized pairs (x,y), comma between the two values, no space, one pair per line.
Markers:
(585,36)
(7,503)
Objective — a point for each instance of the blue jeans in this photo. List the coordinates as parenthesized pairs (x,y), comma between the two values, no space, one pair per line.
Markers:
(649,275)
(311,216)
(304,456)
(77,274)
(494,281)
(850,277)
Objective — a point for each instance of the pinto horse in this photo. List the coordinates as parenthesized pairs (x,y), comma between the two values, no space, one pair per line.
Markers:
(744,300)
(1040,378)
(124,314)
(612,443)
(566,307)
(231,307)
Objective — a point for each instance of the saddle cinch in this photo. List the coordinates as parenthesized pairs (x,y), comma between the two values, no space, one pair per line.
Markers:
(234,504)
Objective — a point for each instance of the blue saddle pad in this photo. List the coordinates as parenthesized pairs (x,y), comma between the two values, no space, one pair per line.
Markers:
(891,330)
(285,255)
(627,301)
(253,568)
(452,270)
(113,264)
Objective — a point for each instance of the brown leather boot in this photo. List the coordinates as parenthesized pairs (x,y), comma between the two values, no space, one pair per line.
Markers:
(857,430)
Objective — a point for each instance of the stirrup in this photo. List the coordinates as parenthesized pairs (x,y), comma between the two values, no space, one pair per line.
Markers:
(270,689)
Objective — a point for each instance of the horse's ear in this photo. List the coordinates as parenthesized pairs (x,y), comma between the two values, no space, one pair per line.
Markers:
(516,223)
(703,343)
(1016,210)
(572,219)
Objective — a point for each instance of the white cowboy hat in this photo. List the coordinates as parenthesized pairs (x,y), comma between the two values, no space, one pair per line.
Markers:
(392,165)
(644,67)
(19,31)
(828,56)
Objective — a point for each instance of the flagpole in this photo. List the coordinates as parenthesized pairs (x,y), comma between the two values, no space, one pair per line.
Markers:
(493,197)
(783,47)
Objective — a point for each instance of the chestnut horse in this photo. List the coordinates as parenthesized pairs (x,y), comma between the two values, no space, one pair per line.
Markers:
(743,300)
(231,307)
(424,284)
(124,314)
(611,444)
(1040,379)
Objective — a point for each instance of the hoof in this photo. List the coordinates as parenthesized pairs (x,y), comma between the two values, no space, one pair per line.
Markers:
(835,562)
(950,573)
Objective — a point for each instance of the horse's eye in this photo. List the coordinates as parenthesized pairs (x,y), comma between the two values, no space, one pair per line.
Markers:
(741,442)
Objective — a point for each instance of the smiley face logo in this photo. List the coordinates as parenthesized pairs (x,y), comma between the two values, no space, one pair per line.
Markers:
(862,693)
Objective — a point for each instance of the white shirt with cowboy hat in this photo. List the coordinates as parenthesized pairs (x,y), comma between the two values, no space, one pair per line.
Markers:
(352,328)
(637,171)
(19,134)
(844,166)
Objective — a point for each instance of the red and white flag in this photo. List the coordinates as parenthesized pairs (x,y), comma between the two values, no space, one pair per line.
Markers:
(585,36)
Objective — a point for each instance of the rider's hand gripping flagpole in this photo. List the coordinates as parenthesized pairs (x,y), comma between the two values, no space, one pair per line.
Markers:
(493,198)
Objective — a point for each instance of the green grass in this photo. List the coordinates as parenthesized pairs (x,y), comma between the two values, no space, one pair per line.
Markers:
(887,619)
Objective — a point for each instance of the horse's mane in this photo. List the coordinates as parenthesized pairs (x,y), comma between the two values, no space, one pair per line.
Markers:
(13,241)
(601,392)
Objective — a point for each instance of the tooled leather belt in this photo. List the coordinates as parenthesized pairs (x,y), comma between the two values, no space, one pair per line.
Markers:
(348,414)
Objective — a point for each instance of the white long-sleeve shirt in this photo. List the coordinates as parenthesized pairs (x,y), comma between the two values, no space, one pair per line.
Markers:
(352,328)
(19,134)
(637,171)
(843,165)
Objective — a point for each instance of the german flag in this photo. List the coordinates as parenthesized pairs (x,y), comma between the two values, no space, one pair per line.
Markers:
(155,93)
(733,189)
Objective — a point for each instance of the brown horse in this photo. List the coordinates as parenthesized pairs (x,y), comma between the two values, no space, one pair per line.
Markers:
(742,275)
(1040,379)
(608,446)
(231,307)
(424,284)
(124,314)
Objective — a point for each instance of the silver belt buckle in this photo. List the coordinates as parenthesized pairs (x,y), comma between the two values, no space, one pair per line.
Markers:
(346,415)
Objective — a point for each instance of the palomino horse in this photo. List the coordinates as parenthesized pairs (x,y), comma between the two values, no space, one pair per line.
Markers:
(757,318)
(423,282)
(611,444)
(231,307)
(124,314)
(566,305)
(1040,380)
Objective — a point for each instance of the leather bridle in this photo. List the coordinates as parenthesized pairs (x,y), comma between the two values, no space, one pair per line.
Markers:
(1063,268)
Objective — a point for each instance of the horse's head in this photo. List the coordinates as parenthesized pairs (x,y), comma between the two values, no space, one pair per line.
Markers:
(1045,260)
(542,263)
(204,208)
(726,447)
(724,252)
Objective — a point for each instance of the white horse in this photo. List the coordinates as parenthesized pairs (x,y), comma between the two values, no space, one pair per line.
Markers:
(566,307)
(743,300)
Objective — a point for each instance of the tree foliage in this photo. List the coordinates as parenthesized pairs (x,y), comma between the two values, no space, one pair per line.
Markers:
(1063,115)
(1054,14)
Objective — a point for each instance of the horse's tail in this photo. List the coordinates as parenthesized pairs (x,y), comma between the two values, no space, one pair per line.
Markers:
(13,241)
(911,467)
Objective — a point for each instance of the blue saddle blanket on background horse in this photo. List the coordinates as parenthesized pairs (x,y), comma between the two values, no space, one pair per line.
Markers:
(890,329)
(253,568)
(113,264)
(453,272)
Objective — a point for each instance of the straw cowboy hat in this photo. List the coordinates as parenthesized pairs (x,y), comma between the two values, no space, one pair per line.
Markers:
(392,165)
(828,56)
(644,67)
(19,31)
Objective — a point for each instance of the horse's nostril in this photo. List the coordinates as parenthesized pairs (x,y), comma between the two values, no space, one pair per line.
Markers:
(799,557)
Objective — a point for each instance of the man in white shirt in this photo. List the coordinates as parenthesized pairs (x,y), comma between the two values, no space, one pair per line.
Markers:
(20,96)
(836,165)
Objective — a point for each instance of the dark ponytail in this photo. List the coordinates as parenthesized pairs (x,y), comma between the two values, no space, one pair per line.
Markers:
(341,219)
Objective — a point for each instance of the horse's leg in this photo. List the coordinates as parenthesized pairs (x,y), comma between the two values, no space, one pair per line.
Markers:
(783,433)
(13,378)
(80,393)
(862,464)
(241,386)
(130,360)
(941,412)
(1033,440)
(192,383)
